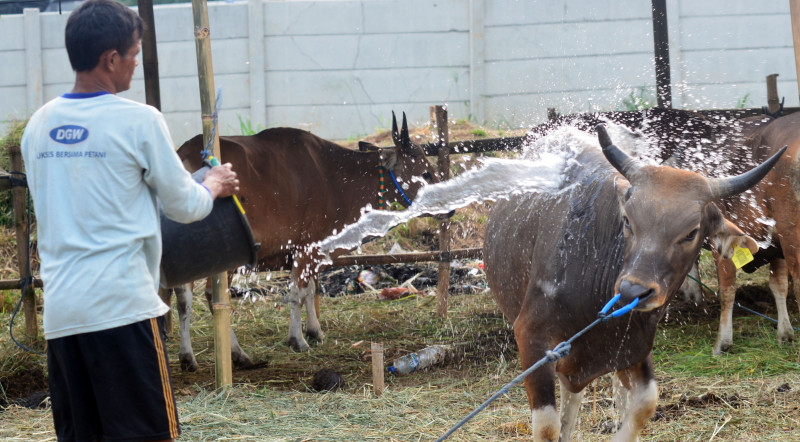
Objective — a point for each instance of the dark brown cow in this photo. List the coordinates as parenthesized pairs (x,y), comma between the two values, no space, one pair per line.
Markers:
(552,261)
(297,189)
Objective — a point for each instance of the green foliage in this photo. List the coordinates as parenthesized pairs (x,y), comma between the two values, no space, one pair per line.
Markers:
(246,127)
(479,132)
(743,101)
(638,99)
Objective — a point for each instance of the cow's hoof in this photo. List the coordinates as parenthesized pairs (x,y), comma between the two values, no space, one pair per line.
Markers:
(188,363)
(721,348)
(242,361)
(316,337)
(786,335)
(298,345)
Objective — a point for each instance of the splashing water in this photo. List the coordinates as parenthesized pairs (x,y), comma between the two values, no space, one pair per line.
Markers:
(540,170)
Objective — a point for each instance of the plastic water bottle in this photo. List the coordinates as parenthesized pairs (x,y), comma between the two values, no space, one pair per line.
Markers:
(415,361)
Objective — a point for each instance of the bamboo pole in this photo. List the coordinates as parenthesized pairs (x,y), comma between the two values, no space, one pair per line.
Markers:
(220,298)
(443,285)
(21,227)
(794,8)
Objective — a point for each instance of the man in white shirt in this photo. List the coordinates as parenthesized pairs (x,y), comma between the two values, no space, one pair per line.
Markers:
(97,165)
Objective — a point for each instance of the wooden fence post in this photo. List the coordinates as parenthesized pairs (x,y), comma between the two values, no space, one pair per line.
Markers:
(773,101)
(377,368)
(23,258)
(443,286)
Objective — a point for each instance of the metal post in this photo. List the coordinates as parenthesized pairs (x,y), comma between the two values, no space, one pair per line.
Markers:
(221,298)
(661,44)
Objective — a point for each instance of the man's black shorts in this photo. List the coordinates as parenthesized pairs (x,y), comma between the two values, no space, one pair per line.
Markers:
(112,384)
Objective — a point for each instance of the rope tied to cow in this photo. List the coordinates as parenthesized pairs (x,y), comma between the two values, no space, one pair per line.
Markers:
(737,304)
(559,351)
(382,189)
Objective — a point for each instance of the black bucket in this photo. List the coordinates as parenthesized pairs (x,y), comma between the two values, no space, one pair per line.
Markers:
(219,242)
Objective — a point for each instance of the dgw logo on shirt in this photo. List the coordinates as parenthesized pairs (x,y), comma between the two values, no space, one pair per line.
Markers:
(69,134)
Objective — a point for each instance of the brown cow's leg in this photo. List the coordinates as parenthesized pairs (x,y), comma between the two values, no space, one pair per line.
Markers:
(779,285)
(642,399)
(311,299)
(539,385)
(726,274)
(239,358)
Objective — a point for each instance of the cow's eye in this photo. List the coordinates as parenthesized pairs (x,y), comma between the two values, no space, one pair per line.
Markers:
(427,176)
(627,222)
(692,235)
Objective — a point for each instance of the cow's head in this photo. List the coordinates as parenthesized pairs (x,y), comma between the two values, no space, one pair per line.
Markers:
(406,162)
(667,214)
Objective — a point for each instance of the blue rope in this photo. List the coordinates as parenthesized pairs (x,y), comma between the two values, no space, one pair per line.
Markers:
(737,303)
(553,355)
(208,151)
(397,185)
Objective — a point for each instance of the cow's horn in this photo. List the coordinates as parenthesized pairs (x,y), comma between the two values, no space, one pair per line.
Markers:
(619,159)
(724,187)
(395,133)
(404,133)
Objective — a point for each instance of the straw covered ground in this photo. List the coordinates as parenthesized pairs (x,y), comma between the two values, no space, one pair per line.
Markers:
(750,394)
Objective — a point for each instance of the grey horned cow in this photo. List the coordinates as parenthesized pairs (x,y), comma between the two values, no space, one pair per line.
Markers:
(620,226)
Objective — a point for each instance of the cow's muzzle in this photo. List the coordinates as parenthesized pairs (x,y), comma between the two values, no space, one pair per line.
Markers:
(647,296)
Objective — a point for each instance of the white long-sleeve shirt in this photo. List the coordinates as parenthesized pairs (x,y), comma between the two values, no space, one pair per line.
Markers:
(96,165)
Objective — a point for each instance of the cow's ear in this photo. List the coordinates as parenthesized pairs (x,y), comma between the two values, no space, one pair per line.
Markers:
(623,187)
(364,146)
(727,236)
(389,158)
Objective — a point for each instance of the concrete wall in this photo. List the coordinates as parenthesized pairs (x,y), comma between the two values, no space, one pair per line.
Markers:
(339,67)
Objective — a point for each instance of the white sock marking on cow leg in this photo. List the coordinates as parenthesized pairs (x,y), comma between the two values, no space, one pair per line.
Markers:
(779,285)
(545,424)
(183,295)
(641,407)
(725,336)
(570,406)
(296,340)
(620,394)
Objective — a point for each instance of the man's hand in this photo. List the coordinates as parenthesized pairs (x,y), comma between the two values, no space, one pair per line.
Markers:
(221,181)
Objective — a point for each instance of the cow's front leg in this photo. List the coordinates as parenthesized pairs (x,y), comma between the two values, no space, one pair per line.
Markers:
(239,358)
(296,297)
(726,274)
(642,399)
(570,406)
(183,294)
(539,385)
(779,286)
(311,299)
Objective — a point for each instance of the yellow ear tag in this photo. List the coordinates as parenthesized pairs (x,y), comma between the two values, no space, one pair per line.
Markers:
(741,256)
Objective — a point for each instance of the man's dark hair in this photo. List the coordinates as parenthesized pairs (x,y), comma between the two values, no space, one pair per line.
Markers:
(97,26)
